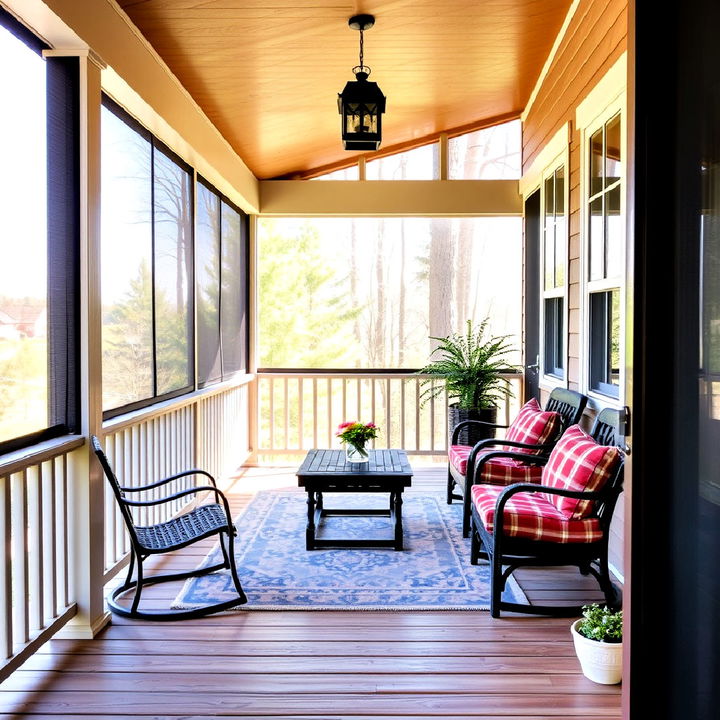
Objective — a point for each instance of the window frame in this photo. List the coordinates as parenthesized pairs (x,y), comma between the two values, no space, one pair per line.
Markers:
(158,145)
(604,103)
(556,376)
(245,250)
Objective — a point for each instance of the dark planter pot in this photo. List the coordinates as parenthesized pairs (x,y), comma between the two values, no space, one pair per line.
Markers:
(473,433)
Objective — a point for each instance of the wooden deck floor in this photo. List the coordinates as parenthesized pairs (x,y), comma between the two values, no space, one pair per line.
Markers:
(312,665)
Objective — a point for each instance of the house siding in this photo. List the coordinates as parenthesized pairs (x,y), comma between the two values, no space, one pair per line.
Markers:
(595,39)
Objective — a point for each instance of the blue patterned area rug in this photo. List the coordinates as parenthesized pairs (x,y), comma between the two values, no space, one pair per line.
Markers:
(433,572)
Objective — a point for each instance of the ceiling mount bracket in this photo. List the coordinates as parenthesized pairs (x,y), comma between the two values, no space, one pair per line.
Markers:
(361,22)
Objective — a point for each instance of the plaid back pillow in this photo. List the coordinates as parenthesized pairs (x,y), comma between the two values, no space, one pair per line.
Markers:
(533,426)
(577,462)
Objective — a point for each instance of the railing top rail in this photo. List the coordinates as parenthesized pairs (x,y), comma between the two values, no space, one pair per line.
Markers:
(144,414)
(42,452)
(326,372)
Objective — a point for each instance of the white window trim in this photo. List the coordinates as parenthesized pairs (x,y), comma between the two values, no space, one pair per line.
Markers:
(607,99)
(554,154)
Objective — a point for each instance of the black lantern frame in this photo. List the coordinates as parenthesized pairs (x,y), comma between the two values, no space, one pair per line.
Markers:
(361,104)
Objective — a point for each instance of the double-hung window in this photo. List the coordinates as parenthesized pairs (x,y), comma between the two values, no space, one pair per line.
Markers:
(604,256)
(554,273)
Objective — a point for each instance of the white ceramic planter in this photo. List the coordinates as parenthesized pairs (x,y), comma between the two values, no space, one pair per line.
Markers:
(601,662)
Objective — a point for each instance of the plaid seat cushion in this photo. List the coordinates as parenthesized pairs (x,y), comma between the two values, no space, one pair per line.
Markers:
(532,516)
(533,426)
(577,462)
(498,471)
(458,457)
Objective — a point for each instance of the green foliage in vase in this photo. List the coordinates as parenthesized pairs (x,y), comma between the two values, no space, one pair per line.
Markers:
(601,624)
(471,366)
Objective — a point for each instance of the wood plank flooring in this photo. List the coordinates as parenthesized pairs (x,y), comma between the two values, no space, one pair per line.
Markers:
(319,665)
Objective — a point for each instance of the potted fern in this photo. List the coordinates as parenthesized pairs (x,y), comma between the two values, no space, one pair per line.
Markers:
(471,366)
(597,636)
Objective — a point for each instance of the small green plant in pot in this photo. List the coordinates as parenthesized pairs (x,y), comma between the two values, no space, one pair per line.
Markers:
(598,643)
(471,365)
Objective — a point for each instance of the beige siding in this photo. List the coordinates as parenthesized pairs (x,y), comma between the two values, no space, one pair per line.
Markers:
(596,38)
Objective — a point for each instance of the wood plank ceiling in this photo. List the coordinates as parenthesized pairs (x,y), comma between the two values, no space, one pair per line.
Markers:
(267,72)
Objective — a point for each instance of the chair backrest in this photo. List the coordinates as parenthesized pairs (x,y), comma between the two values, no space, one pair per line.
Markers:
(606,427)
(569,404)
(115,485)
(534,426)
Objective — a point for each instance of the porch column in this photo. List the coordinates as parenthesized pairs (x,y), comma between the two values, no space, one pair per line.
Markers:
(87,540)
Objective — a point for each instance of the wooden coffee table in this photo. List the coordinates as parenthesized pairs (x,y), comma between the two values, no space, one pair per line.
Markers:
(327,471)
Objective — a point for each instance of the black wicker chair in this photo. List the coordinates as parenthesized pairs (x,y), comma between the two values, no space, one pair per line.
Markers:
(201,522)
(568,403)
(514,552)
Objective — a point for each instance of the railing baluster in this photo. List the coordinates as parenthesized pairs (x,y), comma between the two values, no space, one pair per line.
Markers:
(6,571)
(388,413)
(286,411)
(65,567)
(301,416)
(19,521)
(402,412)
(35,550)
(315,412)
(330,424)
(417,414)
(432,417)
(50,540)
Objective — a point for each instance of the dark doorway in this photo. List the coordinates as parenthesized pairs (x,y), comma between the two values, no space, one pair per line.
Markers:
(532,295)
(675,549)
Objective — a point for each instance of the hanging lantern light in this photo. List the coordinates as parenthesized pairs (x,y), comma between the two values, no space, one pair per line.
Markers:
(361,103)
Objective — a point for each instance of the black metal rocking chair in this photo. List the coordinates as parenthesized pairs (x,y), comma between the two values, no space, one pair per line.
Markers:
(201,522)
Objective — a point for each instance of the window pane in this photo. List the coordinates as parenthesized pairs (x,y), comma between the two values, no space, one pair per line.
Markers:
(490,154)
(614,233)
(615,338)
(173,274)
(126,264)
(23,251)
(560,249)
(560,190)
(605,342)
(350,173)
(233,293)
(554,362)
(368,292)
(418,164)
(597,240)
(596,162)
(208,285)
(549,234)
(613,161)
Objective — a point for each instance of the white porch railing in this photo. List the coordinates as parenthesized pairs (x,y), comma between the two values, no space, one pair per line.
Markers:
(37,596)
(208,430)
(301,410)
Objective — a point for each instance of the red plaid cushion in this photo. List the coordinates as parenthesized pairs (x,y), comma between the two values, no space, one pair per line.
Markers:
(577,462)
(458,456)
(533,426)
(506,471)
(532,516)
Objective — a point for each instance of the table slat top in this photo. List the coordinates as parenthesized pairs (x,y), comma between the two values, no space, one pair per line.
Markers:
(386,463)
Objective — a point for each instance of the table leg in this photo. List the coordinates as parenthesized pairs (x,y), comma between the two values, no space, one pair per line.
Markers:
(310,528)
(398,520)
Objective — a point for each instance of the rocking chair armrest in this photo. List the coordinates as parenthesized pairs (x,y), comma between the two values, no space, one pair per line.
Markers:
(465,423)
(219,496)
(165,481)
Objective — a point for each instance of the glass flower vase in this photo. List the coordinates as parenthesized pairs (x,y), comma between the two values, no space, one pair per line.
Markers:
(356,453)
